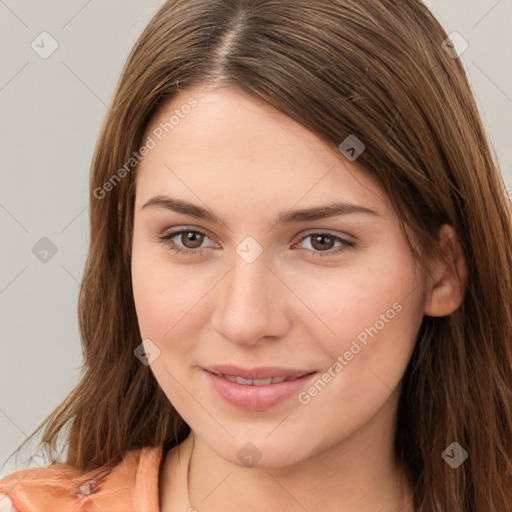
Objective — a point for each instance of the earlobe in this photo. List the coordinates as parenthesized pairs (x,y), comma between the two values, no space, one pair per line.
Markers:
(449,276)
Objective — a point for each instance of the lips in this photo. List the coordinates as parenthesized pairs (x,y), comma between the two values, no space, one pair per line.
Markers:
(256,389)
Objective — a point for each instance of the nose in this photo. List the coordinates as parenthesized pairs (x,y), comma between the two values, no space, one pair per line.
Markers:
(251,303)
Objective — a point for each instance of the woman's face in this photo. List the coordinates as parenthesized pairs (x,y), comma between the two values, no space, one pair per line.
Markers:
(263,289)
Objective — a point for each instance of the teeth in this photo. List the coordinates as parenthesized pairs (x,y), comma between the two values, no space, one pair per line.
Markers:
(277,380)
(241,380)
(262,382)
(256,382)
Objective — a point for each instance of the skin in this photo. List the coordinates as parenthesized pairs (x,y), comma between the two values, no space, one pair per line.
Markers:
(247,162)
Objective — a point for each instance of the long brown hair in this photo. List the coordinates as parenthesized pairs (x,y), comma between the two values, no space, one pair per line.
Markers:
(375,69)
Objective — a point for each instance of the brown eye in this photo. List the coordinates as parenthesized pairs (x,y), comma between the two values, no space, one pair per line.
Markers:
(322,242)
(191,239)
(188,241)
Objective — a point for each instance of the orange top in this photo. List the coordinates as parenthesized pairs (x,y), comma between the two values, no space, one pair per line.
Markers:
(130,486)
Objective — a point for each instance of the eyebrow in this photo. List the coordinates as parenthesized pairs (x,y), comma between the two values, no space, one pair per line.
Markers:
(286,217)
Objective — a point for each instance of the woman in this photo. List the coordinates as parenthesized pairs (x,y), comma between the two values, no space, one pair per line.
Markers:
(247,364)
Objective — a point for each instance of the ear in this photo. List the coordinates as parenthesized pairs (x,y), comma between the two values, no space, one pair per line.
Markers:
(448,277)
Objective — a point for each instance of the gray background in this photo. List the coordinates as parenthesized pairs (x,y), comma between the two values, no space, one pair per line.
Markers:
(51,112)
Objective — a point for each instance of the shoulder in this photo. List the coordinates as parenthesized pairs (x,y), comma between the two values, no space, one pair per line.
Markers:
(61,488)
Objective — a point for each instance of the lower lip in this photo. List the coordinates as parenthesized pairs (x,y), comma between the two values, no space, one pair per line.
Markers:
(257,398)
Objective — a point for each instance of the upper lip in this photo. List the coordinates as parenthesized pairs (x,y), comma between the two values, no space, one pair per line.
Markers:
(262,372)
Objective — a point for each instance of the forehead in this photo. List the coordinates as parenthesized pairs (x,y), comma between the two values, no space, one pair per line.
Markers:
(212,142)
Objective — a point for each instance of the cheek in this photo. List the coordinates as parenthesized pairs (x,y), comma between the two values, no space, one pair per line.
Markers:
(164,302)
(155,301)
(364,361)
(370,317)
(352,303)
(167,302)
(167,296)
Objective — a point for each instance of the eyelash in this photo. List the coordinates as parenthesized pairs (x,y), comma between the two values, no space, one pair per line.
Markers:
(166,240)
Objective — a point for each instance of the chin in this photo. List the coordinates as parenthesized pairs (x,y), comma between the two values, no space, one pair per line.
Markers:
(259,451)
